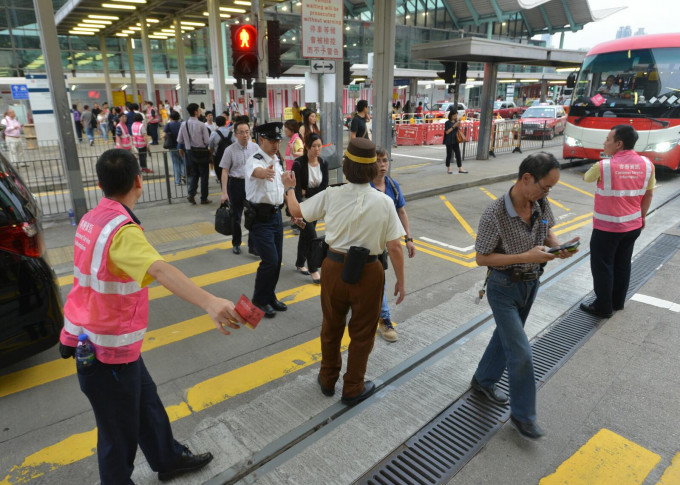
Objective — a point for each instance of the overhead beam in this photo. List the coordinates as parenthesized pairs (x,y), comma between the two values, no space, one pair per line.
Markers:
(530,30)
(349,7)
(497,9)
(473,12)
(454,19)
(546,19)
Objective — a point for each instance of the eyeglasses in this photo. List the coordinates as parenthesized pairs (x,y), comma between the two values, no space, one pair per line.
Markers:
(544,189)
(247,132)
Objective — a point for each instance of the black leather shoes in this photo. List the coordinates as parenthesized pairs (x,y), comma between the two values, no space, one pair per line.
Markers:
(186,462)
(369,388)
(267,309)
(528,430)
(191,199)
(325,390)
(279,306)
(236,250)
(591,310)
(492,393)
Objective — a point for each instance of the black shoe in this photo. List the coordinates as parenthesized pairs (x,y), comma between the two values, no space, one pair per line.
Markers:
(253,252)
(591,310)
(269,312)
(324,390)
(186,462)
(369,388)
(236,250)
(492,393)
(528,430)
(191,199)
(206,201)
(279,306)
(302,270)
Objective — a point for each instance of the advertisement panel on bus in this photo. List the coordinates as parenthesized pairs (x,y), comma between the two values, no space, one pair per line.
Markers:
(633,81)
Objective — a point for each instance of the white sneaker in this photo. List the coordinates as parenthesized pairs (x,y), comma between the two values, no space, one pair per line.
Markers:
(386,330)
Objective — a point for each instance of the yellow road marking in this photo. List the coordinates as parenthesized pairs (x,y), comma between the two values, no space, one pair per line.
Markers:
(462,221)
(57,369)
(444,250)
(584,216)
(554,202)
(95,187)
(572,227)
(467,264)
(672,474)
(406,167)
(576,189)
(493,197)
(199,397)
(606,459)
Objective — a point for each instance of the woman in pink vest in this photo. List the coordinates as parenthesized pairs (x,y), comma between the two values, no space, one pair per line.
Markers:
(153,120)
(622,198)
(295,147)
(123,138)
(139,141)
(109,302)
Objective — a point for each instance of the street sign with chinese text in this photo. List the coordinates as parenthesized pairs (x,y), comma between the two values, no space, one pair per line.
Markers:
(322,35)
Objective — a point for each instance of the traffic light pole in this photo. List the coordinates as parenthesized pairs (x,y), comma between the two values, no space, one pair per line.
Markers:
(383,71)
(181,70)
(258,15)
(219,81)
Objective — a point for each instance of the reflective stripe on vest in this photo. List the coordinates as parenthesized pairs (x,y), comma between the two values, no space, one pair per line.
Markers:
(125,141)
(607,191)
(106,340)
(137,137)
(105,287)
(626,218)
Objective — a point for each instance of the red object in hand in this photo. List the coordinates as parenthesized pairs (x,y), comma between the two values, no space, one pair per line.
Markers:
(249,312)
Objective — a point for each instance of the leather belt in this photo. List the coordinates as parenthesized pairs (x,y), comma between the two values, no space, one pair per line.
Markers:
(340,257)
(518,275)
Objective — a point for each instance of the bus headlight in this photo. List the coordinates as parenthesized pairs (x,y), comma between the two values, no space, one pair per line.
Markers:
(572,142)
(662,147)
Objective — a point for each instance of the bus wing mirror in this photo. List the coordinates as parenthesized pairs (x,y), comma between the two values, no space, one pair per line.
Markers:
(571,80)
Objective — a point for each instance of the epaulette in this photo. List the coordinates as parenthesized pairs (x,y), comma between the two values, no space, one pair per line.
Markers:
(258,156)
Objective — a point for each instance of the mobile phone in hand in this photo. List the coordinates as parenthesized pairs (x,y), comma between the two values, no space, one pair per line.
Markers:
(571,246)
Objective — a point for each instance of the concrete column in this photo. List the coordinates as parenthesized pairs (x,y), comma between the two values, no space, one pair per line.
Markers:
(562,40)
(107,75)
(486,110)
(261,24)
(412,91)
(544,89)
(217,55)
(181,70)
(383,71)
(44,13)
(337,134)
(131,62)
(148,65)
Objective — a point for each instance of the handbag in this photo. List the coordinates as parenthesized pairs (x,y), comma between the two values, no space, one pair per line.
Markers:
(223,219)
(169,142)
(200,155)
(460,136)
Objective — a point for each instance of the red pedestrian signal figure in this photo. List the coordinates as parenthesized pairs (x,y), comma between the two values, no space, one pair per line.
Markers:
(244,51)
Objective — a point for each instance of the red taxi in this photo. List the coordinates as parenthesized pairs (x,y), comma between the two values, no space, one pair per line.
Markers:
(543,121)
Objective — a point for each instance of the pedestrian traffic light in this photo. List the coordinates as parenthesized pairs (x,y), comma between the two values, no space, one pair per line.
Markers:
(244,51)
(191,84)
(273,48)
(462,74)
(449,72)
(346,73)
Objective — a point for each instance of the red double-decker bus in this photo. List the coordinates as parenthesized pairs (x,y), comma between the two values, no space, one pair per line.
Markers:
(633,81)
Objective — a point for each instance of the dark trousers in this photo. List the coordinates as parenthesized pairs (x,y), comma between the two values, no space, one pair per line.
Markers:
(195,171)
(267,239)
(79,130)
(610,256)
(450,149)
(337,298)
(152,128)
(128,411)
(236,189)
(142,156)
(304,248)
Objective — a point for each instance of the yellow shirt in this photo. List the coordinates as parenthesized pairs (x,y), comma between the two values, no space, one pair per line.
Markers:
(593,175)
(131,254)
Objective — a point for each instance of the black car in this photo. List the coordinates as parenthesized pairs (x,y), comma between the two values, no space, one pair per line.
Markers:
(31,315)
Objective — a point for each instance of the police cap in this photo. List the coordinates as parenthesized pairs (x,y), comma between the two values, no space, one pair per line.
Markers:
(271,131)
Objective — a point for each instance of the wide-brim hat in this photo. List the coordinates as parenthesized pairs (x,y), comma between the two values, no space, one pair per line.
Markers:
(361,150)
(271,131)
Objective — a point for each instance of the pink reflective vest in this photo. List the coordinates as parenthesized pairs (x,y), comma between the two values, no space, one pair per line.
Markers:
(109,307)
(290,158)
(124,141)
(152,119)
(618,196)
(138,139)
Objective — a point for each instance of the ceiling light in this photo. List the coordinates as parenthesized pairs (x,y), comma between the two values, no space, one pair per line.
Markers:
(105,17)
(284,8)
(128,31)
(197,24)
(235,10)
(119,6)
(80,32)
(186,27)
(118,34)
(123,87)
(158,37)
(134,28)
(73,87)
(169,31)
(152,21)
(86,29)
(347,28)
(223,15)
(130,1)
(528,80)
(241,2)
(99,22)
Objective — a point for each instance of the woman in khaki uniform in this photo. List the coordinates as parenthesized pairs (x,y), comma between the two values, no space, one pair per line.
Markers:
(356,215)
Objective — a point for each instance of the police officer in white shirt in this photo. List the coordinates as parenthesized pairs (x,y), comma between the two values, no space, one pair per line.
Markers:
(264,198)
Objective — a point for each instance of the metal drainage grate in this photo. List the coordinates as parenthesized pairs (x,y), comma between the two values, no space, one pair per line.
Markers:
(441,448)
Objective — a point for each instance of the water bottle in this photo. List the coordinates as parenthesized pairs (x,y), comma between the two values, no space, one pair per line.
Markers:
(72,217)
(84,353)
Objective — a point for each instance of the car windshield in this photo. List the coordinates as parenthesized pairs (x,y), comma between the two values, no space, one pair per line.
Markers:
(440,106)
(539,112)
(645,81)
(496,105)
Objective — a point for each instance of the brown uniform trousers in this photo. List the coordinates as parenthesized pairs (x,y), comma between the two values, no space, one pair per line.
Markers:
(337,298)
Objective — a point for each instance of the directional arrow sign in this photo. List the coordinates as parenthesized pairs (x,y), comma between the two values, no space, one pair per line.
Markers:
(320,66)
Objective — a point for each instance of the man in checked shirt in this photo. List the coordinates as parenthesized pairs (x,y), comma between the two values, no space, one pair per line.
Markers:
(514,233)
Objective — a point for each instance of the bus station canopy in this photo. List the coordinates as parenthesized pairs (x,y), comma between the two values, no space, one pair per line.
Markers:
(475,49)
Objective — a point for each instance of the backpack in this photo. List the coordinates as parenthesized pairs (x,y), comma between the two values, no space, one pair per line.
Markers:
(221,146)
(395,190)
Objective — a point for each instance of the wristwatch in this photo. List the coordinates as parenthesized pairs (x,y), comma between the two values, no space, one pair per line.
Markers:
(286,191)
(408,239)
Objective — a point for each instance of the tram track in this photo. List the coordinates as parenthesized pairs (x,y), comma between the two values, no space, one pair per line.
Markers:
(287,446)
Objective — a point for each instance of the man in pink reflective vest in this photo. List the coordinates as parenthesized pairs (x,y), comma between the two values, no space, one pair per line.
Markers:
(622,198)
(109,302)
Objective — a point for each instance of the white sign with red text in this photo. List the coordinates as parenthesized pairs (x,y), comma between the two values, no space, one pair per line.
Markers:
(322,24)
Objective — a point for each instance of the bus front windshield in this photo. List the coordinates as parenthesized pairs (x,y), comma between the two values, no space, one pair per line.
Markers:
(645,82)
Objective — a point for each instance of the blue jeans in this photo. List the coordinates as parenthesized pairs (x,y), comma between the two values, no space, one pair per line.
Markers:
(267,239)
(178,166)
(104,127)
(511,302)
(385,309)
(89,131)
